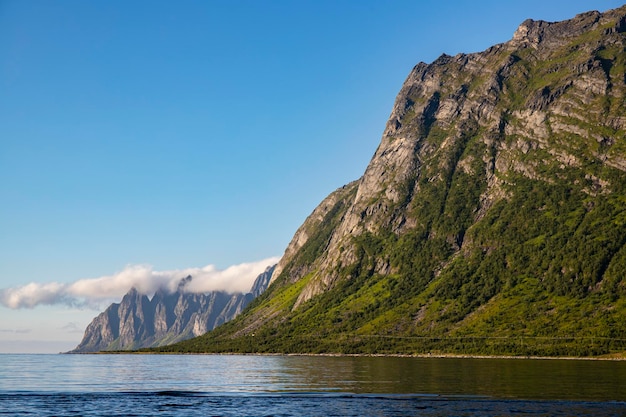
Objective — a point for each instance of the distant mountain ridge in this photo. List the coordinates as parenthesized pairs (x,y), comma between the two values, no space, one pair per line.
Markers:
(491,218)
(139,322)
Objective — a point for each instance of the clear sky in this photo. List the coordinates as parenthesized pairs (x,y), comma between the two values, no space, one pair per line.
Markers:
(143,140)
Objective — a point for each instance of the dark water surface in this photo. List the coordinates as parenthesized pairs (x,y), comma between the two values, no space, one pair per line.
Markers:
(214,385)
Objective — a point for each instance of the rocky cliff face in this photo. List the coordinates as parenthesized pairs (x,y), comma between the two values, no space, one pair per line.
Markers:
(553,95)
(138,321)
(493,206)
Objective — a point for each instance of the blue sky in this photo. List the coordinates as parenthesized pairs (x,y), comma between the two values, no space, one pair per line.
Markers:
(195,134)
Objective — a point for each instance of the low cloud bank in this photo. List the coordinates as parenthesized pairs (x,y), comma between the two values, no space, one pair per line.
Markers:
(91,292)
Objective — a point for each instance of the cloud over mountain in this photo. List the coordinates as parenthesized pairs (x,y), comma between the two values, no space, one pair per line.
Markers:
(90,292)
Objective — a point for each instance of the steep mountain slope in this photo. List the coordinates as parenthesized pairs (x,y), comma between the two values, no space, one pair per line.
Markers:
(491,218)
(138,321)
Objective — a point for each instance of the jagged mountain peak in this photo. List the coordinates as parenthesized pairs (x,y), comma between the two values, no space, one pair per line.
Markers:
(134,296)
(503,93)
(534,32)
(133,292)
(138,321)
(183,283)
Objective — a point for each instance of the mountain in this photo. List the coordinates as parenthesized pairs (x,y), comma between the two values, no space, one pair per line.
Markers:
(490,220)
(169,317)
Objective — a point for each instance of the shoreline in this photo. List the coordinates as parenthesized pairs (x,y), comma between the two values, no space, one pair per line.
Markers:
(612,357)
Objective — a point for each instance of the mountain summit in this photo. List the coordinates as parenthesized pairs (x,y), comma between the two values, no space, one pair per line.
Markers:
(491,218)
(139,322)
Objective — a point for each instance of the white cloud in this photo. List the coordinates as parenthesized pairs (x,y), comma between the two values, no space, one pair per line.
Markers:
(93,291)
(32,294)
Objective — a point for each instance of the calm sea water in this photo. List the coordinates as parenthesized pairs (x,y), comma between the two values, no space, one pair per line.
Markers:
(214,385)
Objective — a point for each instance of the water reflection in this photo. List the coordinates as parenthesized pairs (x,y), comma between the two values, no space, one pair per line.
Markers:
(495,378)
(504,378)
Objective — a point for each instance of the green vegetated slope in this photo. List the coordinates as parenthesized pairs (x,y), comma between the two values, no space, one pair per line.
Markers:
(491,219)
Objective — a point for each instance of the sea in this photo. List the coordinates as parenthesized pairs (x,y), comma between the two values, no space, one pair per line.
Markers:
(251,385)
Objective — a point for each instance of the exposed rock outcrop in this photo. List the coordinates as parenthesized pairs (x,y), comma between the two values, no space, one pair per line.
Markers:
(138,321)
(553,94)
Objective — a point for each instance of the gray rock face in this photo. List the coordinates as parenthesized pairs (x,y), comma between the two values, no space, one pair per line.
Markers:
(555,92)
(138,321)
